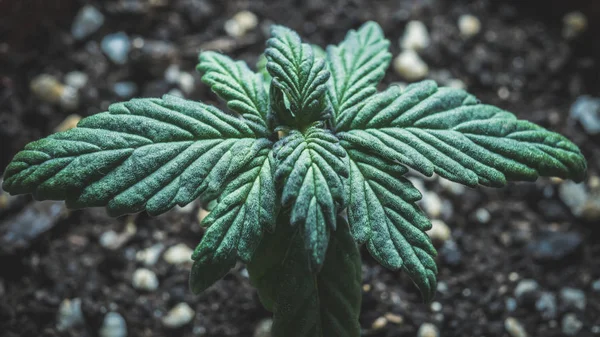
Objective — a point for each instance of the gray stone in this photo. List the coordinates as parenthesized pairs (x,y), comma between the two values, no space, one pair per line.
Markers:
(571,325)
(87,21)
(573,298)
(76,79)
(555,246)
(510,304)
(546,305)
(596,285)
(69,314)
(126,89)
(114,325)
(586,110)
(116,46)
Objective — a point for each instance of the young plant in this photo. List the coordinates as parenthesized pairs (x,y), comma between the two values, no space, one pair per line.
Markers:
(308,165)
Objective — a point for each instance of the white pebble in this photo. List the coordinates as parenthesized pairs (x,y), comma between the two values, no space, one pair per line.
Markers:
(76,79)
(410,66)
(571,325)
(428,330)
(574,23)
(178,254)
(439,231)
(150,255)
(49,89)
(69,314)
(469,25)
(431,204)
(172,74)
(451,186)
(483,215)
(415,36)
(186,82)
(514,327)
(263,328)
(179,316)
(144,279)
(240,24)
(114,325)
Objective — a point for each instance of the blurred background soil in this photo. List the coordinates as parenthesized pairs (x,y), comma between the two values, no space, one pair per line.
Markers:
(518,261)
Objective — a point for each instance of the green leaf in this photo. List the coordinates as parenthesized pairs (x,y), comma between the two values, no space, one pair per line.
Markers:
(300,76)
(447,131)
(382,213)
(242,89)
(357,65)
(206,273)
(145,154)
(247,206)
(305,304)
(312,171)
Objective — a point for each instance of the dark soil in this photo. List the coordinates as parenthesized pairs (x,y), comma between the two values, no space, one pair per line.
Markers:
(520,50)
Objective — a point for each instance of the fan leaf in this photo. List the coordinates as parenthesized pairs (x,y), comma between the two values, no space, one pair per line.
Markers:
(357,65)
(311,169)
(300,76)
(305,304)
(242,89)
(382,213)
(144,154)
(247,206)
(447,131)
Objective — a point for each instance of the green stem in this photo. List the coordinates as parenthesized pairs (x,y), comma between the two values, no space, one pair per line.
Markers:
(305,303)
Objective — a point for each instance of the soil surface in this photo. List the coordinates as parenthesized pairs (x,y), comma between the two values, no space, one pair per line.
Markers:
(499,237)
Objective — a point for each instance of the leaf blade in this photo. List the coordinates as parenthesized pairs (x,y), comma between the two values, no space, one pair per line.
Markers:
(144,154)
(446,131)
(356,65)
(312,178)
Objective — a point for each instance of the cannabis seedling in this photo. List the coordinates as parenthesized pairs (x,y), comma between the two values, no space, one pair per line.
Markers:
(309,164)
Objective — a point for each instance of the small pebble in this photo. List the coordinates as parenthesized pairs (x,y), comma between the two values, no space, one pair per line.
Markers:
(510,304)
(263,328)
(178,254)
(546,305)
(571,325)
(469,25)
(514,327)
(586,110)
(69,314)
(596,285)
(555,246)
(150,255)
(525,287)
(482,215)
(416,36)
(180,315)
(451,186)
(393,318)
(436,306)
(116,46)
(87,21)
(428,330)
(69,123)
(431,204)
(574,195)
(76,79)
(144,279)
(439,232)
(573,298)
(49,89)
(114,325)
(186,82)
(379,323)
(574,23)
(410,66)
(450,253)
(172,74)
(240,24)
(125,89)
